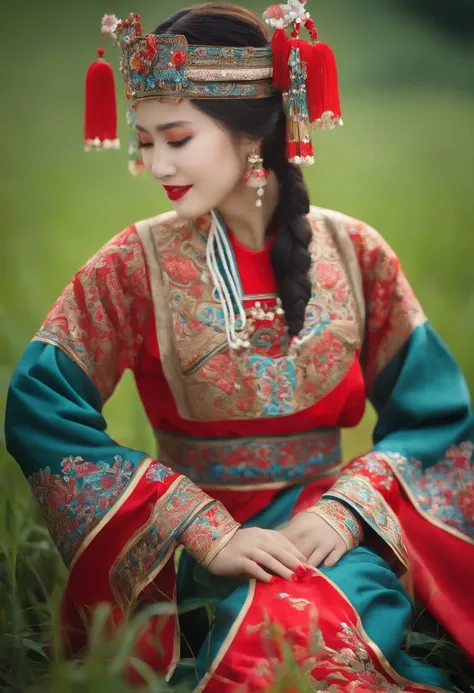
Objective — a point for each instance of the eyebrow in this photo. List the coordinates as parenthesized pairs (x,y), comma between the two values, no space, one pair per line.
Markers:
(166,126)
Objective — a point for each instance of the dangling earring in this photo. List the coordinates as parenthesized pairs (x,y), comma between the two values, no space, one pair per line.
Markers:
(256,176)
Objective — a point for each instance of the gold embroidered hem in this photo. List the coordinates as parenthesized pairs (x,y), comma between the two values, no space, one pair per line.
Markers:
(372,507)
(212,527)
(218,546)
(183,514)
(341,519)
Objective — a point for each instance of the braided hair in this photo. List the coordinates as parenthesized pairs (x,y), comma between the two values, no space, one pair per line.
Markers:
(218,24)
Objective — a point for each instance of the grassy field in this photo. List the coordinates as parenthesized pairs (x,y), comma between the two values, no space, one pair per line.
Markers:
(403,162)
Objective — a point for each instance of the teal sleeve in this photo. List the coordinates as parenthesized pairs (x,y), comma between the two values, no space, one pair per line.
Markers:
(55,430)
(425,427)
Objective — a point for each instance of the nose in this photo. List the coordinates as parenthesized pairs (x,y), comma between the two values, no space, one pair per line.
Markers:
(162,168)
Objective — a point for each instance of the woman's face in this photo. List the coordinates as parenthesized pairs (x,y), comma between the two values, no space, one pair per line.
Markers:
(190,154)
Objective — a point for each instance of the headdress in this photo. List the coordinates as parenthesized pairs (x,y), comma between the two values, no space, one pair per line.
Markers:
(167,66)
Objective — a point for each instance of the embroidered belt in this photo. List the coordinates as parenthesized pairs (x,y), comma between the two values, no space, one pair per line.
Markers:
(260,461)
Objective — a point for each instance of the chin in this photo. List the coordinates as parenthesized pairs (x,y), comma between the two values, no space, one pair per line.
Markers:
(191,209)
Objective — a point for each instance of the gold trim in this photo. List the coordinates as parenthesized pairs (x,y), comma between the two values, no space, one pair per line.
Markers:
(219,545)
(229,638)
(378,652)
(65,349)
(133,540)
(433,520)
(140,471)
(163,317)
(382,535)
(220,74)
(348,254)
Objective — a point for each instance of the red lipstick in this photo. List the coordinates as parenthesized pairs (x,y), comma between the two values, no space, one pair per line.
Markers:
(176,192)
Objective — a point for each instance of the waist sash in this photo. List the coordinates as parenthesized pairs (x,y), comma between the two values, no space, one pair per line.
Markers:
(255,461)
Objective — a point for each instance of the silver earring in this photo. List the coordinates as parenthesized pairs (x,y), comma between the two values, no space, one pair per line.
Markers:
(256,177)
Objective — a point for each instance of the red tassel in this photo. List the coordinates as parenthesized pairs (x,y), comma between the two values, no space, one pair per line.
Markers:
(322,87)
(100,121)
(281,53)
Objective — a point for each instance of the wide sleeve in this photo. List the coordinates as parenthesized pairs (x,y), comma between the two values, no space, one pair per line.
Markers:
(423,438)
(94,492)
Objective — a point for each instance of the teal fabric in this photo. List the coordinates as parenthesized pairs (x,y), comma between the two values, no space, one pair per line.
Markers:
(385,610)
(362,575)
(426,426)
(55,430)
(54,411)
(422,400)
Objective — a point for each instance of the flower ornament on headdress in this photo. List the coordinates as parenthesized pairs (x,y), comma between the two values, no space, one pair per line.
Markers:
(165,65)
(306,73)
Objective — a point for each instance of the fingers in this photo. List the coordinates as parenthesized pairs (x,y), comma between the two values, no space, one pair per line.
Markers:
(319,554)
(281,540)
(284,556)
(266,560)
(253,570)
(334,556)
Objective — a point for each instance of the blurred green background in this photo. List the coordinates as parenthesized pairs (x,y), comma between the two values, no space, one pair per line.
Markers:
(403,162)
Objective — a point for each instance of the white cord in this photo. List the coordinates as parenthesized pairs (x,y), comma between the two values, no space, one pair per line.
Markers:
(234,281)
(217,237)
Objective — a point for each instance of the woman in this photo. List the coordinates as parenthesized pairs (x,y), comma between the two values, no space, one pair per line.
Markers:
(255,333)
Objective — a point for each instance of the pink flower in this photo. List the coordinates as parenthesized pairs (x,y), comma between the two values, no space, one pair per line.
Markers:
(109,24)
(273,12)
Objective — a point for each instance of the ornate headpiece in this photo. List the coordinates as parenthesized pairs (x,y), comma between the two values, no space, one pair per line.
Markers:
(166,66)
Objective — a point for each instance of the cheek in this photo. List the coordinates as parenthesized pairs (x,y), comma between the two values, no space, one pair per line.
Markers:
(217,163)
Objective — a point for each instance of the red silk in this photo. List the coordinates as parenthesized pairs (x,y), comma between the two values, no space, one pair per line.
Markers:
(100,119)
(322,87)
(253,654)
(281,52)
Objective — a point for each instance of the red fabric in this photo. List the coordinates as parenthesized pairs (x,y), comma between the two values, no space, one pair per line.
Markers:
(100,120)
(256,652)
(88,586)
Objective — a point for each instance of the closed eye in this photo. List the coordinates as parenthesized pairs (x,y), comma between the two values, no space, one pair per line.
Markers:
(179,143)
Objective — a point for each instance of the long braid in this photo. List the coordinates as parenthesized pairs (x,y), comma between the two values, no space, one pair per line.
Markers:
(290,257)
(226,24)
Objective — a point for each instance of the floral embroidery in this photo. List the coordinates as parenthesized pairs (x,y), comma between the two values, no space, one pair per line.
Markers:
(211,381)
(256,460)
(374,466)
(393,310)
(158,472)
(446,489)
(174,518)
(371,506)
(206,530)
(74,501)
(100,317)
(330,654)
(351,660)
(341,519)
(276,381)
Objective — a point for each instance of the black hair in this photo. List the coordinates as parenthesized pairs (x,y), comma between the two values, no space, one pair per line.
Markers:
(219,24)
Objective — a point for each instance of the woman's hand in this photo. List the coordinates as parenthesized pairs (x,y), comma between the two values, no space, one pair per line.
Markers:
(253,552)
(315,538)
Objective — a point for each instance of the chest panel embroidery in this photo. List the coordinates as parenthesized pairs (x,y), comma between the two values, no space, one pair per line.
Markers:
(216,382)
